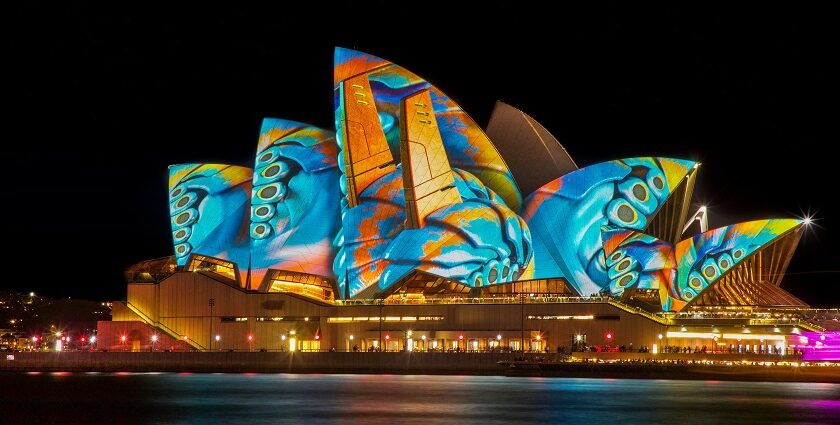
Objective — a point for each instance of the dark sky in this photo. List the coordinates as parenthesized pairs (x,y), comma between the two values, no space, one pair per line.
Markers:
(102,99)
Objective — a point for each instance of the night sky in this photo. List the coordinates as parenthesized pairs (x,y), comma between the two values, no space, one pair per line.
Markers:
(103,99)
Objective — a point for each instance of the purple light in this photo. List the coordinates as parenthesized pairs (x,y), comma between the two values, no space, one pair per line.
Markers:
(822,346)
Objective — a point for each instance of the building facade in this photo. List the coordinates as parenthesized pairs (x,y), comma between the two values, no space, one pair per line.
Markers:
(409,227)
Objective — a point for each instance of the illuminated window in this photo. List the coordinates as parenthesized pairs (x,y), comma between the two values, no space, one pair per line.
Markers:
(345,319)
(305,284)
(269,319)
(310,345)
(216,266)
(579,317)
(234,319)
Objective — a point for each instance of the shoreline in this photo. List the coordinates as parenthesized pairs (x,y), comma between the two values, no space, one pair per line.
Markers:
(400,363)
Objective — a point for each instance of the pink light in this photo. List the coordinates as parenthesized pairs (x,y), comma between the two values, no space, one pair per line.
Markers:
(826,348)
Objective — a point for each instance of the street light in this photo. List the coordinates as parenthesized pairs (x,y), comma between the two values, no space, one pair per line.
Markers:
(250,341)
(154,341)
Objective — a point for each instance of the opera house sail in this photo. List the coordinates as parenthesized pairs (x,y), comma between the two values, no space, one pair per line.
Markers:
(408,198)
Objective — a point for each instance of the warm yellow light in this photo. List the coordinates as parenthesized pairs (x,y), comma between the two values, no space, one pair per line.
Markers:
(292,344)
(754,337)
(681,334)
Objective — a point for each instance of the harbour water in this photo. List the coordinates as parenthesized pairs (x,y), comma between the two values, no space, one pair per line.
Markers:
(129,398)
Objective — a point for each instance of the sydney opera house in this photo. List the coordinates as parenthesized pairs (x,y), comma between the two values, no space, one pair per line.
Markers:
(409,227)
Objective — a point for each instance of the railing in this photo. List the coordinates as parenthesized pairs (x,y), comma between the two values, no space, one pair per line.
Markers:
(751,318)
(527,299)
(166,329)
(518,299)
(637,310)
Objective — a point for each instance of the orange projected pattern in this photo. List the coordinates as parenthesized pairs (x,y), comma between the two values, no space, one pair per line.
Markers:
(427,176)
(366,154)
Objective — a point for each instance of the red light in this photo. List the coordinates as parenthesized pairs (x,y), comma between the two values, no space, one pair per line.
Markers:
(122,338)
(387,336)
(460,337)
(83,339)
(609,336)
(34,339)
(317,337)
(250,337)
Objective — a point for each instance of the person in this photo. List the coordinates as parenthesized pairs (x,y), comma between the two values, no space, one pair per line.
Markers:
(355,348)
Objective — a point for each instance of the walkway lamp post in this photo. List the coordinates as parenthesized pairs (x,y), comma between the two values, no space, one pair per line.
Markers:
(522,322)
(211,302)
(381,302)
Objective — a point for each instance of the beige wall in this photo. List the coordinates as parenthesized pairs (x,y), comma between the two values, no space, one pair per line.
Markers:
(180,303)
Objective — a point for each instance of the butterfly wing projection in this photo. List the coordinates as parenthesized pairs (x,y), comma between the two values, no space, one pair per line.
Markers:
(683,271)
(566,215)
(208,208)
(295,212)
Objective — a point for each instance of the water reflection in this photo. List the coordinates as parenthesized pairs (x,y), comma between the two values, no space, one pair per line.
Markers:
(310,399)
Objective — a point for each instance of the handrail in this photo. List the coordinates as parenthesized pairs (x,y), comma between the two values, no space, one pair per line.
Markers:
(516,299)
(813,327)
(636,310)
(166,329)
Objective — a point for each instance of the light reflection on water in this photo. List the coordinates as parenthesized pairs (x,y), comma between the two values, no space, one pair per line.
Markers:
(286,398)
